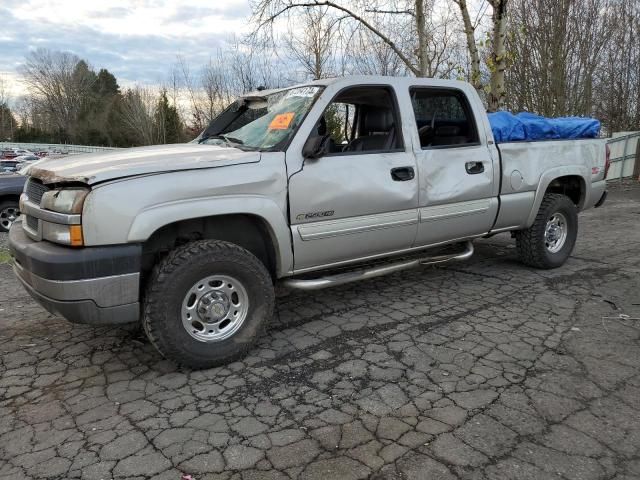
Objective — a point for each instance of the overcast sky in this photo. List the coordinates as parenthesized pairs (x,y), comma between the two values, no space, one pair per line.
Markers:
(137,40)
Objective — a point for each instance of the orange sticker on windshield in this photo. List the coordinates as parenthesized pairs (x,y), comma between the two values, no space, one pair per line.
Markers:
(281,121)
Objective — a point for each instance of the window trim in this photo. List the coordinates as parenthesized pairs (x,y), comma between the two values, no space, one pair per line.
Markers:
(397,118)
(466,106)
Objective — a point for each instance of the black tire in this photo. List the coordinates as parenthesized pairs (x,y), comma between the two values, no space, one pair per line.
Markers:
(531,243)
(5,217)
(172,279)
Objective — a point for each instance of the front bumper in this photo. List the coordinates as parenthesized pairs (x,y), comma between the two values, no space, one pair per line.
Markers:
(93,285)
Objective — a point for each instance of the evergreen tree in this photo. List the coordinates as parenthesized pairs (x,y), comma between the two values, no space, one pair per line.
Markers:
(8,123)
(169,127)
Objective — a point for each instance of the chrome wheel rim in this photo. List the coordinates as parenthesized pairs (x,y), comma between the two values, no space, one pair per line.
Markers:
(214,308)
(555,233)
(8,215)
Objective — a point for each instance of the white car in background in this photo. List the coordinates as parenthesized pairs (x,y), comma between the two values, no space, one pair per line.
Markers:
(24,160)
(15,152)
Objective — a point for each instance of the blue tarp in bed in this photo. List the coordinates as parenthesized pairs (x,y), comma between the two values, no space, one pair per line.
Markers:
(525,126)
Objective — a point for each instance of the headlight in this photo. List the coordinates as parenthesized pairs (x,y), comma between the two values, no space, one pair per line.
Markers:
(64,200)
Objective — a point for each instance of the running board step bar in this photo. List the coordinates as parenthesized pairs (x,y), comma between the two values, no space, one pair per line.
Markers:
(364,274)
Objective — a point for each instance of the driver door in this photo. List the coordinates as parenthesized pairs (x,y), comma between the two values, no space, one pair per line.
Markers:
(360,199)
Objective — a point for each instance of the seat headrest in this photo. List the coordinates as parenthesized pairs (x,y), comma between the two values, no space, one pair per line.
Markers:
(322,126)
(377,120)
(448,131)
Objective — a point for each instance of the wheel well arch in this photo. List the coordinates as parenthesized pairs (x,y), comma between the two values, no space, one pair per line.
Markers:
(572,186)
(15,197)
(248,231)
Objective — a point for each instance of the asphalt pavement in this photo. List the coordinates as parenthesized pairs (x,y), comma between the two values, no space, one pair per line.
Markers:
(483,370)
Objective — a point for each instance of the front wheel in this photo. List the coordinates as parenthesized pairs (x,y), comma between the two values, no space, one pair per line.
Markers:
(206,303)
(9,212)
(550,240)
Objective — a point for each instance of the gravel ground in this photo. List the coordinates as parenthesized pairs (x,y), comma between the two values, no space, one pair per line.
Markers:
(3,241)
(483,370)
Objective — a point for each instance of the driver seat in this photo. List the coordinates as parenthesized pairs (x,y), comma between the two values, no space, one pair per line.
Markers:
(378,131)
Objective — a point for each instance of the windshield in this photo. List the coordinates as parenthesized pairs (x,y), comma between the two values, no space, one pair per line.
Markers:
(265,123)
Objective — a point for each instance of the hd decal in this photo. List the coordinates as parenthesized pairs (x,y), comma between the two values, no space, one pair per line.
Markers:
(308,216)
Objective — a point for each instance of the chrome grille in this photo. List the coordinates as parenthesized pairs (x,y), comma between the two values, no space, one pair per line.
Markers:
(32,222)
(35,189)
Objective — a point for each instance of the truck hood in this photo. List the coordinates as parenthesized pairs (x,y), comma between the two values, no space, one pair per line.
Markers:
(128,162)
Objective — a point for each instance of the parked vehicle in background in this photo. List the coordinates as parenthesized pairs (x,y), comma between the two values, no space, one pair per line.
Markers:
(313,186)
(9,166)
(24,160)
(27,158)
(12,153)
(11,186)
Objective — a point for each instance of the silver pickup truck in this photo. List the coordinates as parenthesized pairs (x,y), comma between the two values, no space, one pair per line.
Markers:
(311,186)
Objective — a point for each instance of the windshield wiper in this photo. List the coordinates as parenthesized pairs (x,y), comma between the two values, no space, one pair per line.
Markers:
(230,140)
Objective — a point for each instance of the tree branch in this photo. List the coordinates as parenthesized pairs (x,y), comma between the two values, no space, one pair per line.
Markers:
(355,16)
(393,12)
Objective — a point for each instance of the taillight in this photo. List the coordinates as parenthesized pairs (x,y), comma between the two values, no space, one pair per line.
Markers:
(607,160)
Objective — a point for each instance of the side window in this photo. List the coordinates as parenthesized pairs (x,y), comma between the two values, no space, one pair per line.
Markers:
(339,119)
(443,118)
(361,120)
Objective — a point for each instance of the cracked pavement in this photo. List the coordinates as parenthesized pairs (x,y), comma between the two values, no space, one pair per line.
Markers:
(479,370)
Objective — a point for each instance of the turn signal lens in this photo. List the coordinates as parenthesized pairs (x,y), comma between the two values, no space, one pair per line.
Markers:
(75,235)
(64,234)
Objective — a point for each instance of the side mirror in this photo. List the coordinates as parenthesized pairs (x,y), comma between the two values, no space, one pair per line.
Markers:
(316,146)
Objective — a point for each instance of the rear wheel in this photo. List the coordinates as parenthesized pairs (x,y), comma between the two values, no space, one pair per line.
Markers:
(9,212)
(550,240)
(206,304)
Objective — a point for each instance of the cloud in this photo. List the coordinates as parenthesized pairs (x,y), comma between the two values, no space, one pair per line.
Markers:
(138,42)
(191,14)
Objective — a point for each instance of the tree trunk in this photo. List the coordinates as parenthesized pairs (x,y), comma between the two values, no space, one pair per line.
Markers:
(498,65)
(472,47)
(422,41)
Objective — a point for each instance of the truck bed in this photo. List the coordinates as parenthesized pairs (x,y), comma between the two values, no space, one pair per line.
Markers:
(527,168)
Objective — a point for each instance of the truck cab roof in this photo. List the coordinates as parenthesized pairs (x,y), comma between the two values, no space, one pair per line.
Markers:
(350,80)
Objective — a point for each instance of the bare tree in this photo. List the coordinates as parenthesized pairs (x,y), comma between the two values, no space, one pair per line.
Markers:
(60,82)
(190,88)
(227,74)
(368,15)
(217,86)
(7,119)
(4,91)
(368,55)
(314,48)
(253,65)
(137,112)
(557,49)
(472,46)
(497,56)
(617,78)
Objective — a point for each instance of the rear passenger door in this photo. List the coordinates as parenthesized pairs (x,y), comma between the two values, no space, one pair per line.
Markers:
(457,191)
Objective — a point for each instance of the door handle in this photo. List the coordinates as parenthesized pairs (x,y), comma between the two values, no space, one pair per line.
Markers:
(402,174)
(474,168)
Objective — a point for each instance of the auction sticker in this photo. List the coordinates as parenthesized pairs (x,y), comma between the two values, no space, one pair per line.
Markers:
(302,92)
(281,121)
